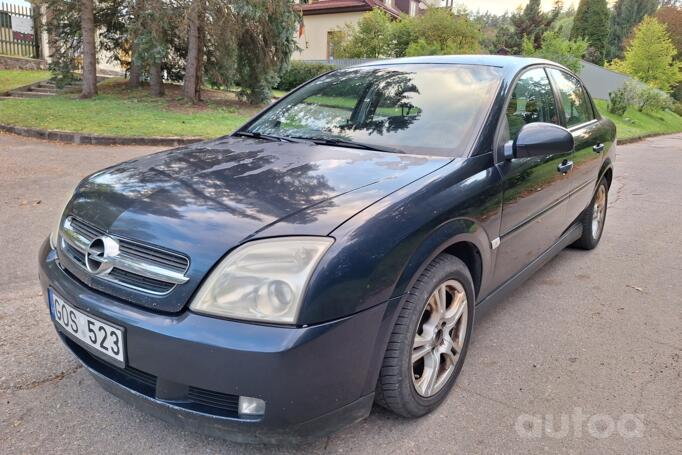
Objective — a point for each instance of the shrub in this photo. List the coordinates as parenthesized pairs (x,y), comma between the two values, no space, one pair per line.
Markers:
(617,102)
(300,72)
(677,108)
(640,96)
(650,100)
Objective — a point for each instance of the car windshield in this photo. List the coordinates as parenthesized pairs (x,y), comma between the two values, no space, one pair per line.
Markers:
(419,109)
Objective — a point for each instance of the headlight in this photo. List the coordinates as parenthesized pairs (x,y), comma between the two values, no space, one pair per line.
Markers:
(263,280)
(54,234)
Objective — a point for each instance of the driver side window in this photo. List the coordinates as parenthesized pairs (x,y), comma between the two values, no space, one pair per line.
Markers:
(532,101)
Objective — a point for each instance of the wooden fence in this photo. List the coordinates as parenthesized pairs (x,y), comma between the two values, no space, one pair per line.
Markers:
(18,31)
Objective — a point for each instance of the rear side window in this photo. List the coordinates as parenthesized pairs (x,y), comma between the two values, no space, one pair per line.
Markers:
(574,99)
(532,101)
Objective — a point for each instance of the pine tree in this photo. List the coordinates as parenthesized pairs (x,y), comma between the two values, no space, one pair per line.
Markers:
(591,22)
(530,24)
(625,16)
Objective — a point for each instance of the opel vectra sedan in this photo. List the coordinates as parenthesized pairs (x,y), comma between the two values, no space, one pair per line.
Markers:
(332,253)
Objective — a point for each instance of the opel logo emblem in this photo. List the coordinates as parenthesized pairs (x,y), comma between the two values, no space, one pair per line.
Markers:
(99,254)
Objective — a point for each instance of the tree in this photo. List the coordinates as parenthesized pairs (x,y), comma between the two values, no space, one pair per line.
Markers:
(219,42)
(558,49)
(671,16)
(444,31)
(564,22)
(530,23)
(89,51)
(591,22)
(650,56)
(369,38)
(135,69)
(191,88)
(625,16)
(152,30)
(265,42)
(489,24)
(437,31)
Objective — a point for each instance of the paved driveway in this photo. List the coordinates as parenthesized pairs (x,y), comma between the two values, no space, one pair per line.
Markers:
(590,346)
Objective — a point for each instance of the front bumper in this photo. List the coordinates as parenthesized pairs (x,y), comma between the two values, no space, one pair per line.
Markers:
(314,379)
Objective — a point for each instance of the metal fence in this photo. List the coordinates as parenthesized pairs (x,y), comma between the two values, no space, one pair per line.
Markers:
(343,62)
(18,31)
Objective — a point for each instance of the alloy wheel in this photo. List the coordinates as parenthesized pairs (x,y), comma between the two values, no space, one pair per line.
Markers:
(599,212)
(439,338)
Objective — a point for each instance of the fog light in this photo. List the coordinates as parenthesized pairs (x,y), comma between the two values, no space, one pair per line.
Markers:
(249,406)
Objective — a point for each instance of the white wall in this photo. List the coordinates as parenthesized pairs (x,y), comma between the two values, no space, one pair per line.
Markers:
(314,40)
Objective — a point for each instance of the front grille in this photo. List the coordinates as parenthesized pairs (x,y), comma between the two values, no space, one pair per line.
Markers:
(141,282)
(219,400)
(130,377)
(196,398)
(138,266)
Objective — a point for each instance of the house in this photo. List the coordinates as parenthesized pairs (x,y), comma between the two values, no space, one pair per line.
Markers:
(322,17)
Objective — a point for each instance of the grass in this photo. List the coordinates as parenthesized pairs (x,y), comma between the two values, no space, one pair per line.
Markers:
(118,111)
(634,124)
(11,79)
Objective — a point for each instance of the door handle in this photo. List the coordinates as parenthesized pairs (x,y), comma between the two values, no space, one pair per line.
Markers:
(565,167)
(598,148)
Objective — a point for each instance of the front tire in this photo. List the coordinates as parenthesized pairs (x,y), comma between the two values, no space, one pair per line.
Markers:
(429,340)
(593,218)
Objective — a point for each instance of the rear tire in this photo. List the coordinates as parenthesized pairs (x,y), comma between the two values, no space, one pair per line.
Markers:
(429,341)
(593,218)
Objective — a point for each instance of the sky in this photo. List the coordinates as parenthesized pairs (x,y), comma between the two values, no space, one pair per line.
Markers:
(494,6)
(500,6)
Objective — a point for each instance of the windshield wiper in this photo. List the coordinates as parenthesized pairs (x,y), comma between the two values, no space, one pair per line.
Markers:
(267,137)
(352,144)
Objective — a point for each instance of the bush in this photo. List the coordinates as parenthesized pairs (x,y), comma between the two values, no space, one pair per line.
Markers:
(640,96)
(300,72)
(677,108)
(651,100)
(617,102)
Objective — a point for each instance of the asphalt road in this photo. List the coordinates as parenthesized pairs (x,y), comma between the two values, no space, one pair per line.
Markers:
(590,346)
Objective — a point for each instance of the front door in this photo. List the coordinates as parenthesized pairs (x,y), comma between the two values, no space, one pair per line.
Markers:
(535,191)
(589,135)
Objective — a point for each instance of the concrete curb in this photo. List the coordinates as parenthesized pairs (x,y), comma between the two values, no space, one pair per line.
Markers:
(632,140)
(80,138)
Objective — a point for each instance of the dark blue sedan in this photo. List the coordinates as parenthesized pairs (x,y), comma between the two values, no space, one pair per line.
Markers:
(332,253)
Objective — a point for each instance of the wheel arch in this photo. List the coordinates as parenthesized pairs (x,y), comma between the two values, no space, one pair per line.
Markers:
(463,238)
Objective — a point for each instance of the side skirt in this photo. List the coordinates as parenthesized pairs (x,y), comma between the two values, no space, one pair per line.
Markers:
(503,291)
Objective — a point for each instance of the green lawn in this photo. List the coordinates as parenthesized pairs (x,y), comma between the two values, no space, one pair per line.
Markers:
(11,79)
(120,112)
(634,124)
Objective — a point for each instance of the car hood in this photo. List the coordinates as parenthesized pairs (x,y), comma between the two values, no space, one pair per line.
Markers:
(204,199)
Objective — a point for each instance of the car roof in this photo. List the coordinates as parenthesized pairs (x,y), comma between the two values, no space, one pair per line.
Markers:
(509,63)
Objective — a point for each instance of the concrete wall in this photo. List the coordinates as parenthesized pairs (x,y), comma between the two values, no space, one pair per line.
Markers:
(20,63)
(314,40)
(601,81)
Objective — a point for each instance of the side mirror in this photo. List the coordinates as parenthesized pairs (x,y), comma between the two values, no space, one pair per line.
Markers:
(539,139)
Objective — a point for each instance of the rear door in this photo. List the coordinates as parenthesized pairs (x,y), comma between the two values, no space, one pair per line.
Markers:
(535,191)
(590,136)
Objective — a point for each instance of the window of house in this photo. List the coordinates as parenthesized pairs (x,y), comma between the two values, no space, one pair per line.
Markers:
(333,37)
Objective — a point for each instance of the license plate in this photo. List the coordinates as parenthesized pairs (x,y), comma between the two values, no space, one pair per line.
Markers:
(94,334)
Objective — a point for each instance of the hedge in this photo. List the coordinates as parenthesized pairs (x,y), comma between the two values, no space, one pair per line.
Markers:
(300,72)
